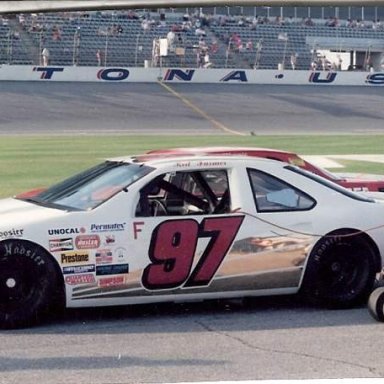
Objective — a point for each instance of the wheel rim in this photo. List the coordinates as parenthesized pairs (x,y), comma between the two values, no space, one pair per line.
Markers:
(17,281)
(343,270)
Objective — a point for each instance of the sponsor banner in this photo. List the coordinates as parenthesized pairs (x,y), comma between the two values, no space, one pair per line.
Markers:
(87,278)
(113,227)
(14,232)
(112,269)
(59,245)
(87,242)
(76,269)
(74,257)
(104,256)
(189,75)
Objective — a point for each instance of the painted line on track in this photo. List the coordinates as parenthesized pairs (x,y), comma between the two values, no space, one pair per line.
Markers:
(199,111)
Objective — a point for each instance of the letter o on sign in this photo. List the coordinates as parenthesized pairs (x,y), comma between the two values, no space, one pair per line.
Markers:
(113,74)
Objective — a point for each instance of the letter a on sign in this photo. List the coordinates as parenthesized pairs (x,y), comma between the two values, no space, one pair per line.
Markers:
(236,75)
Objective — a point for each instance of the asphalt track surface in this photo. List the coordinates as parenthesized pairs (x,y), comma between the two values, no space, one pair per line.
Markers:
(131,108)
(268,339)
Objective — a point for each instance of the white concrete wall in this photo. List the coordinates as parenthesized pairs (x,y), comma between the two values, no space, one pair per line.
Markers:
(193,75)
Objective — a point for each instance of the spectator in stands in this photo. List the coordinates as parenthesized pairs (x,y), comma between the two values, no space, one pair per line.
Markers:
(200,32)
(132,15)
(155,52)
(339,63)
(207,61)
(45,57)
(368,63)
(235,40)
(294,60)
(200,57)
(56,33)
(313,65)
(214,45)
(171,39)
(146,25)
(99,57)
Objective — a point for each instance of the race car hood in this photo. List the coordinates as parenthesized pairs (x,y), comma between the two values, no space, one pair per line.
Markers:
(17,212)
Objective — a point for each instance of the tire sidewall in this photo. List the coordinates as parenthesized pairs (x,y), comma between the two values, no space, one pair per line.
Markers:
(362,255)
(42,272)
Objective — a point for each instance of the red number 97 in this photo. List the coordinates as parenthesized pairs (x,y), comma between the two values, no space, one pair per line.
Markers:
(173,246)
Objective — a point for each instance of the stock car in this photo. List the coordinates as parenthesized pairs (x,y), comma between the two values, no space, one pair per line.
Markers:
(149,229)
(355,182)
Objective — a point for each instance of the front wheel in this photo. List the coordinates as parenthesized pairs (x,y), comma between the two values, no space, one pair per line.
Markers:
(340,271)
(28,282)
(376,304)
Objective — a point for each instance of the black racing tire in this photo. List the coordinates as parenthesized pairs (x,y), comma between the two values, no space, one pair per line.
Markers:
(341,271)
(376,304)
(28,284)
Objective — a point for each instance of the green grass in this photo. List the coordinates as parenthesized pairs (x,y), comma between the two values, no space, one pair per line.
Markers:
(28,162)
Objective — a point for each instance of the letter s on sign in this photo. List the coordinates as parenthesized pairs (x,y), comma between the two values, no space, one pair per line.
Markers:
(113,74)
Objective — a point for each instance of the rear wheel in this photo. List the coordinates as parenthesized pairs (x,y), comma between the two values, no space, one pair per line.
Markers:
(341,271)
(28,282)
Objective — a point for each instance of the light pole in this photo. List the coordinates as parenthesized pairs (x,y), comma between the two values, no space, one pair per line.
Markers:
(106,48)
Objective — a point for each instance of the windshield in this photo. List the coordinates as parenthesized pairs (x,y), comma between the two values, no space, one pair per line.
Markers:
(92,187)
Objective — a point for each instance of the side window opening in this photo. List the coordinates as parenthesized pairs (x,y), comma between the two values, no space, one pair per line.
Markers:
(185,193)
(274,195)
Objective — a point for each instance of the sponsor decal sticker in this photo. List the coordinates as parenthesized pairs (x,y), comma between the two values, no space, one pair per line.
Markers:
(109,239)
(104,256)
(108,227)
(76,269)
(74,257)
(14,232)
(80,279)
(121,255)
(114,269)
(59,245)
(112,281)
(87,242)
(65,231)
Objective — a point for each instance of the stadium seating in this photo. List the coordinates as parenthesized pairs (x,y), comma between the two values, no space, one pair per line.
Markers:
(121,40)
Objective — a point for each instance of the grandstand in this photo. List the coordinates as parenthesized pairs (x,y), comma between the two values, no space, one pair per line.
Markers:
(222,37)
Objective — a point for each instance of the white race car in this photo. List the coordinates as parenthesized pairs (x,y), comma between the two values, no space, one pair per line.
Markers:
(151,228)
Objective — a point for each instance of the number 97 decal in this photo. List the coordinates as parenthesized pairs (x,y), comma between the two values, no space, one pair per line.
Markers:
(173,246)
